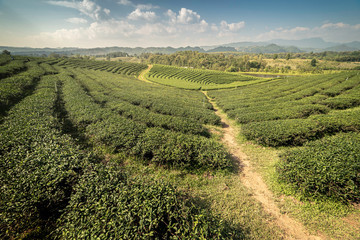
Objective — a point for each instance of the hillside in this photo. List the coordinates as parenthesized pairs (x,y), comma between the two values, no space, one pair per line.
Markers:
(107,150)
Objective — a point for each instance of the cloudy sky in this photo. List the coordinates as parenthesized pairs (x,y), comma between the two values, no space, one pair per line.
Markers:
(160,23)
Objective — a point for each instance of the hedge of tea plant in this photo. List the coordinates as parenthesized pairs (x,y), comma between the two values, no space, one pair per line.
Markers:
(329,168)
(162,145)
(108,204)
(294,110)
(38,165)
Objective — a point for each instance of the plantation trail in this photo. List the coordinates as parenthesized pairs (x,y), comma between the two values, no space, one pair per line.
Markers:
(253,181)
(142,74)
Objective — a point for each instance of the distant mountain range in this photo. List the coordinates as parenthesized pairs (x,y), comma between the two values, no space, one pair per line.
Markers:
(272,46)
(281,45)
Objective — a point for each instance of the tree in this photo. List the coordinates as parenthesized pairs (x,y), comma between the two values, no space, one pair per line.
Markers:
(6,52)
(313,62)
(275,56)
(288,56)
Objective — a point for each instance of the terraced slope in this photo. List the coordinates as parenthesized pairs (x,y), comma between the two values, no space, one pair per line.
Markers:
(197,79)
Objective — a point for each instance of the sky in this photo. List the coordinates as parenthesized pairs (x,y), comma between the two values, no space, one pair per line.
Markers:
(162,23)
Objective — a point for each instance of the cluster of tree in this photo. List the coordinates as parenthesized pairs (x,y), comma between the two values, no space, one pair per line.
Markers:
(328,55)
(222,62)
(114,55)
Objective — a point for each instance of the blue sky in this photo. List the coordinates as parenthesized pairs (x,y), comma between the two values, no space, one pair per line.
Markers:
(159,23)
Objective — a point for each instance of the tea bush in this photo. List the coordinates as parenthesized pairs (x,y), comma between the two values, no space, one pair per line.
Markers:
(329,167)
(108,204)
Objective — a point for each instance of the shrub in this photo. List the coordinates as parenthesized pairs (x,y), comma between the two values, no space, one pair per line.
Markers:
(107,204)
(329,168)
(181,150)
(283,132)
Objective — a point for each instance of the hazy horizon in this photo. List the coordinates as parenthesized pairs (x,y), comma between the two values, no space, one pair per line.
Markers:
(132,23)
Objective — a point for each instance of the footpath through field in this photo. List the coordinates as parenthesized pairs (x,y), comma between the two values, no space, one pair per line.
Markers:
(142,74)
(253,181)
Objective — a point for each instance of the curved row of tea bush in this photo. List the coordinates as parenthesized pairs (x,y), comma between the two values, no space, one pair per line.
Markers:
(14,88)
(152,98)
(292,111)
(195,75)
(125,68)
(329,167)
(38,165)
(196,79)
(52,189)
(306,111)
(108,204)
(107,97)
(103,125)
(12,68)
(290,89)
(292,132)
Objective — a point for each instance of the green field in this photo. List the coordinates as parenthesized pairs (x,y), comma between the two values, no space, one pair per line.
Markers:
(89,151)
(198,79)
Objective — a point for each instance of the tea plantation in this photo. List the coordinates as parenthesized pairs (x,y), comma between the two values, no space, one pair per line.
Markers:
(198,79)
(56,112)
(320,112)
(72,131)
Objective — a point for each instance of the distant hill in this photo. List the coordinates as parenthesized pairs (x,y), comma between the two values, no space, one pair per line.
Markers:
(223,49)
(304,43)
(96,51)
(271,48)
(341,48)
(355,44)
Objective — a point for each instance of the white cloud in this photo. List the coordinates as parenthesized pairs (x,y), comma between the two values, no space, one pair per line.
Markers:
(334,25)
(107,11)
(357,26)
(171,15)
(76,20)
(139,6)
(98,33)
(187,16)
(146,6)
(137,14)
(232,27)
(125,3)
(86,7)
(336,32)
(214,27)
(64,4)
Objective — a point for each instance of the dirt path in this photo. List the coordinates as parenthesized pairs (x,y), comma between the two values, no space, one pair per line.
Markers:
(142,74)
(253,181)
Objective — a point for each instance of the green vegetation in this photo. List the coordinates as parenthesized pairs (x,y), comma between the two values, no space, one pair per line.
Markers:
(130,69)
(291,111)
(13,88)
(39,165)
(289,63)
(12,68)
(328,167)
(137,136)
(197,79)
(109,204)
(89,151)
(52,141)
